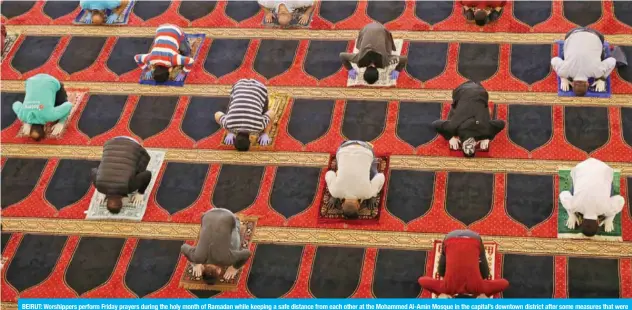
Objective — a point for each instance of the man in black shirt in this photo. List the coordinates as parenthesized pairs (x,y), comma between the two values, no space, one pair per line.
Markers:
(469,122)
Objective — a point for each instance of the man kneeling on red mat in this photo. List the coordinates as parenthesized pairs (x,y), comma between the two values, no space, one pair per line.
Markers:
(463,269)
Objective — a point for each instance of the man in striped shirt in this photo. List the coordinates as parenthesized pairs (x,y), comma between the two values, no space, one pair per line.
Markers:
(247,114)
(170,49)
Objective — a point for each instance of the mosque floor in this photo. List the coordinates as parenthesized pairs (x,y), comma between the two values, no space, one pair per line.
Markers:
(509,194)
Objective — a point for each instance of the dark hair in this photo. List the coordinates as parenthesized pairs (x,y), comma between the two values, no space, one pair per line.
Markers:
(37,132)
(242,142)
(348,212)
(463,296)
(371,75)
(480,17)
(580,88)
(589,227)
(161,74)
(114,204)
(469,15)
(209,276)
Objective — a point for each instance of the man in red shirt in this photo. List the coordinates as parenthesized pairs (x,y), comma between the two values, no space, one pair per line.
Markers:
(482,12)
(463,268)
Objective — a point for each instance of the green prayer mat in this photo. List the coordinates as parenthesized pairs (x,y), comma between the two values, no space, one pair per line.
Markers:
(563,231)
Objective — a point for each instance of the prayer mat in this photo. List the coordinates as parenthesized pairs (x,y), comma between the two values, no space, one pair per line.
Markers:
(188,281)
(121,20)
(367,215)
(591,90)
(385,79)
(276,103)
(195,42)
(9,40)
(76,97)
(129,212)
(294,23)
(566,233)
(491,251)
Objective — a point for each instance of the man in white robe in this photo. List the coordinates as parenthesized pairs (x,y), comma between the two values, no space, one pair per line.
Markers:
(591,196)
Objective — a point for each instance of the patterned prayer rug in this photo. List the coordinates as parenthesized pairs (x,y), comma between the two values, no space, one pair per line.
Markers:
(76,97)
(188,281)
(277,102)
(566,233)
(195,42)
(121,20)
(129,212)
(331,212)
(9,40)
(385,78)
(491,251)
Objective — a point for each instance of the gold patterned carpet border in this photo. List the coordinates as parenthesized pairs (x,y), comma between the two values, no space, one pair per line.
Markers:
(305,159)
(418,95)
(289,235)
(431,36)
(8,306)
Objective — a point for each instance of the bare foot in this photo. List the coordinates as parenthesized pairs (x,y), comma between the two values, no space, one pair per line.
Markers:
(230,273)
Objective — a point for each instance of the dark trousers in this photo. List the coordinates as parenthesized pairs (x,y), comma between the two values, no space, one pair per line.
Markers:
(185,48)
(495,124)
(61,95)
(483,265)
(374,170)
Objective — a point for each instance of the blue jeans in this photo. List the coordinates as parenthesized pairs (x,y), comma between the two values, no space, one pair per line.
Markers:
(185,48)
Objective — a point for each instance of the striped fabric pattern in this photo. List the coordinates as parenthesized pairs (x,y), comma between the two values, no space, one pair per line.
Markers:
(165,51)
(245,110)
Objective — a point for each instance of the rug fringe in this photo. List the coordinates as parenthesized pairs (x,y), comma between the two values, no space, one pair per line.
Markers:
(596,237)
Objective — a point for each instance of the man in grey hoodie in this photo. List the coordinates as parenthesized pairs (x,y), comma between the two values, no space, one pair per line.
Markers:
(218,246)
(375,47)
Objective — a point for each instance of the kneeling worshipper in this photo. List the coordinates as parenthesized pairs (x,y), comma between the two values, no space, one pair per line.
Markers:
(591,196)
(96,10)
(45,101)
(283,11)
(469,123)
(584,58)
(482,12)
(170,49)
(248,113)
(357,178)
(122,171)
(463,268)
(218,247)
(375,47)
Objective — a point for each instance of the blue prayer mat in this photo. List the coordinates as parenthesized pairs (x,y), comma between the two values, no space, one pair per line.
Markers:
(591,90)
(122,20)
(195,42)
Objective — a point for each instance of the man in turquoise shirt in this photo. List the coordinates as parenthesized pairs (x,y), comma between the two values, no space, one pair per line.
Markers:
(97,10)
(45,101)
